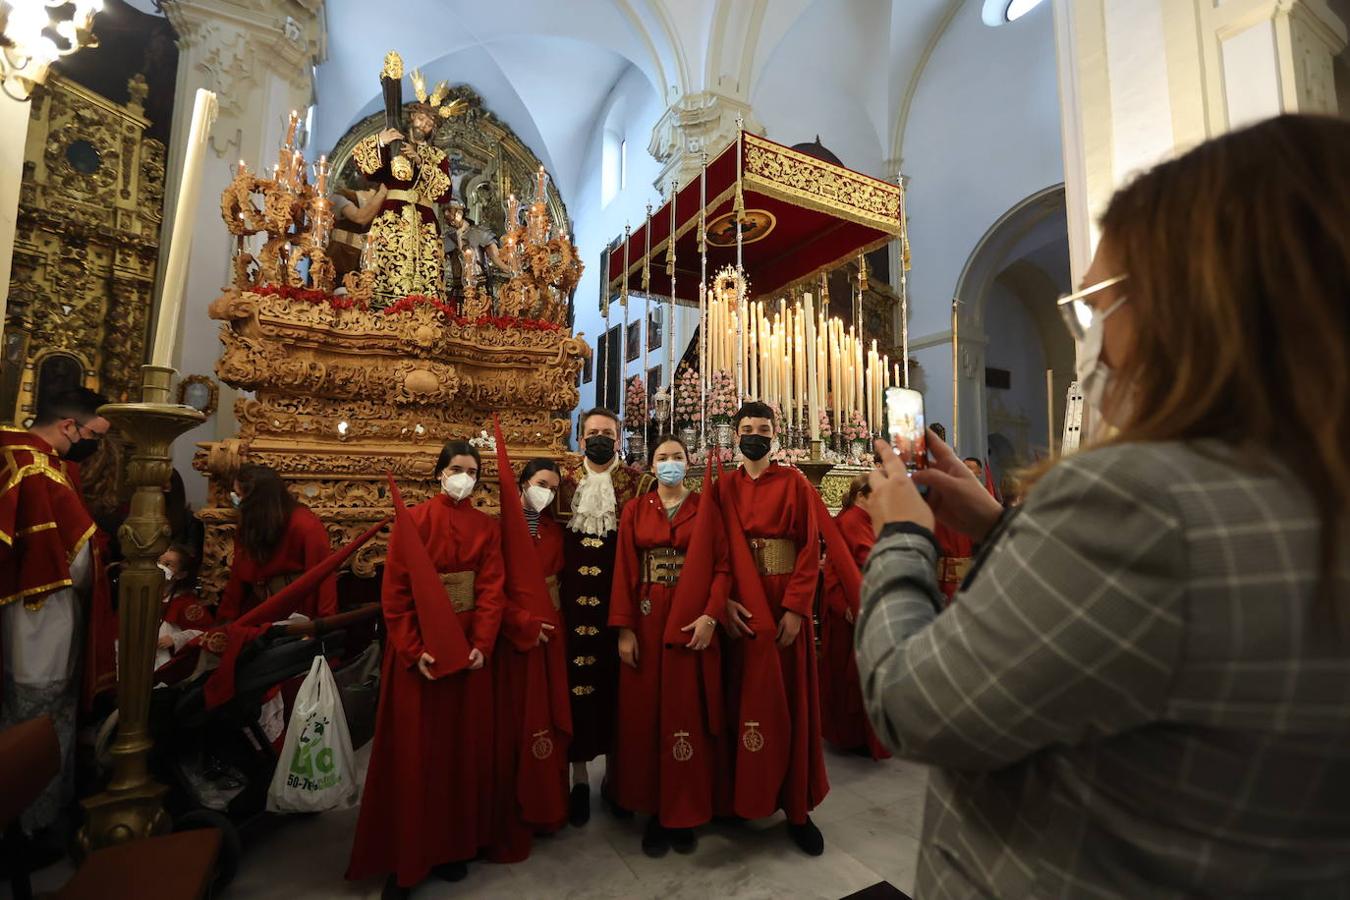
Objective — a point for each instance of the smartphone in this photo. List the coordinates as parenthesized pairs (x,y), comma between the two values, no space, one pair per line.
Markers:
(905,419)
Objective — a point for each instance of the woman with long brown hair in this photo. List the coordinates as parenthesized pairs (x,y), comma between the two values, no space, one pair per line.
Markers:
(1143,689)
(277,539)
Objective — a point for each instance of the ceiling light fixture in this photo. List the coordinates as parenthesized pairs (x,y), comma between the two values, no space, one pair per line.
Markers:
(36,33)
(1018,8)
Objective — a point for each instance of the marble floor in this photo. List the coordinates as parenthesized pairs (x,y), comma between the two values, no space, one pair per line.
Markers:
(870,820)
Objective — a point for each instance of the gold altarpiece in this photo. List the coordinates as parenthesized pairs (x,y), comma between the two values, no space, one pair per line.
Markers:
(85,253)
(343,395)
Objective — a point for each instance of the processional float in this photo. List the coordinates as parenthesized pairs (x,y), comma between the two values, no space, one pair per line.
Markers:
(766,217)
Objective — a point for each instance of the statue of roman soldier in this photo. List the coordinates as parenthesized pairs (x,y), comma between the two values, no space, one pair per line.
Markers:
(404,246)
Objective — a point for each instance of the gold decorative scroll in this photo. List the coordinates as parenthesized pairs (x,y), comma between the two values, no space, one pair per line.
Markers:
(796,178)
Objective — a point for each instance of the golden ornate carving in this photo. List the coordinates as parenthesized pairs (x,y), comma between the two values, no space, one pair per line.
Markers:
(778,171)
(87,241)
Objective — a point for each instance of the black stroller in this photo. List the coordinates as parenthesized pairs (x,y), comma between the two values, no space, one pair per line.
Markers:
(219,763)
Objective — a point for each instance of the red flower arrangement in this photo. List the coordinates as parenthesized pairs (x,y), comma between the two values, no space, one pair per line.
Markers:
(412,301)
(307,295)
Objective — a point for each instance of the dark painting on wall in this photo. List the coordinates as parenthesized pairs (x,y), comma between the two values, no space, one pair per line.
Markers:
(634,342)
(654,328)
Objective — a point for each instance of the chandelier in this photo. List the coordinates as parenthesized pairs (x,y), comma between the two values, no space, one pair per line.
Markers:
(36,33)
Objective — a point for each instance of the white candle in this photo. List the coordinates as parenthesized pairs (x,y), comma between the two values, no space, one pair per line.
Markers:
(180,243)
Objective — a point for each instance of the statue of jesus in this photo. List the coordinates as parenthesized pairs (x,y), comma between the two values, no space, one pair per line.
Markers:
(404,246)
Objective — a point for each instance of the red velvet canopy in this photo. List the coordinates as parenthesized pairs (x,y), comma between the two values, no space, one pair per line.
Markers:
(805,216)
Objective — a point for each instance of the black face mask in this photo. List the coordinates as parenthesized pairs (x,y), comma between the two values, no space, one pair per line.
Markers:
(755,447)
(600,449)
(81,450)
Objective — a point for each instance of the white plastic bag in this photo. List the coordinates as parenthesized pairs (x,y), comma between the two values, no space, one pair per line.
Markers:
(316,770)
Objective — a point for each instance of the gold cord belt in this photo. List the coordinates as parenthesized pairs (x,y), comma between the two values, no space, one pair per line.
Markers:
(412,197)
(459,588)
(774,556)
(553,594)
(662,565)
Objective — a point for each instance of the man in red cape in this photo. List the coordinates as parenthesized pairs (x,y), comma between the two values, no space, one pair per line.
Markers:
(774,521)
(531,688)
(53,586)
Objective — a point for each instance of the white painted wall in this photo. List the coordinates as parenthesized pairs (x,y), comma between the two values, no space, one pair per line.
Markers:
(1015,345)
(983,133)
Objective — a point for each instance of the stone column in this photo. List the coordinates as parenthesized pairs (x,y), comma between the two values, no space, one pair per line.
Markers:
(1143,80)
(258,57)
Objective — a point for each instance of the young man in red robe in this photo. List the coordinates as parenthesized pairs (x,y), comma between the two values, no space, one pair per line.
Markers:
(277,539)
(844,720)
(54,600)
(655,534)
(592,495)
(428,794)
(772,699)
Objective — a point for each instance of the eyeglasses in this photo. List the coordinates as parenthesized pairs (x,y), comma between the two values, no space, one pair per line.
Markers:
(1079,315)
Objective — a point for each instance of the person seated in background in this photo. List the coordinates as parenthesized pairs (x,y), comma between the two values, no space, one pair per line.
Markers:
(277,539)
(184,615)
(1144,688)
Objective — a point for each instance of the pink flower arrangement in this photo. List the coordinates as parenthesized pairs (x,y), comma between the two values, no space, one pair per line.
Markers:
(826,429)
(721,397)
(687,398)
(854,427)
(635,403)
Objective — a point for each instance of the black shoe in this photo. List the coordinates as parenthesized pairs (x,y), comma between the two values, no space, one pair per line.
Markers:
(683,840)
(393,892)
(579,808)
(452,872)
(807,837)
(655,840)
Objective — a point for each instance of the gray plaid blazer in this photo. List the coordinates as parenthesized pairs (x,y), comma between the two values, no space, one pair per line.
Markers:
(1133,694)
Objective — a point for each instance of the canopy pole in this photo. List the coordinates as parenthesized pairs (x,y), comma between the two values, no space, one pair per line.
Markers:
(904,283)
(740,265)
(670,270)
(623,335)
(601,376)
(956,375)
(703,301)
(647,315)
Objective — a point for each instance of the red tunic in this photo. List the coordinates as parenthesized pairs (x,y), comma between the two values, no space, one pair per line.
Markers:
(428,793)
(513,835)
(843,717)
(776,505)
(957,550)
(637,777)
(303,545)
(43,526)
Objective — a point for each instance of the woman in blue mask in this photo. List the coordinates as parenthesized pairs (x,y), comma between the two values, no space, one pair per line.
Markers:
(654,535)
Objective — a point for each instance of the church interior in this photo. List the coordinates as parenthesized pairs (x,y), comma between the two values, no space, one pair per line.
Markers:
(315,243)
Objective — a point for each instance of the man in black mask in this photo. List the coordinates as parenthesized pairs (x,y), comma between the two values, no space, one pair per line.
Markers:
(50,578)
(592,493)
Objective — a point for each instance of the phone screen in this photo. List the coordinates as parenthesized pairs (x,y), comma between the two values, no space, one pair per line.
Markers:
(904,414)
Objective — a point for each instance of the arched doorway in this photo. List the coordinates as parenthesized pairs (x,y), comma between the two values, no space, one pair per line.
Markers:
(1016,360)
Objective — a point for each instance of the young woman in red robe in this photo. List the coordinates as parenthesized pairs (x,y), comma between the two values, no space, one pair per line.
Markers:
(654,536)
(774,712)
(278,538)
(843,718)
(429,789)
(521,634)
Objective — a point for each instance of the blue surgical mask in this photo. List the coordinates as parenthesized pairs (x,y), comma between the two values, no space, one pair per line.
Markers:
(670,472)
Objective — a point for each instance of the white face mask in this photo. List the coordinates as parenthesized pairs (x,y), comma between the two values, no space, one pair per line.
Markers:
(1094,375)
(458,485)
(168,573)
(539,497)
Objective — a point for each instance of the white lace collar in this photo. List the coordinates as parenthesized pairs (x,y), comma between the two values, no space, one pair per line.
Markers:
(594,506)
